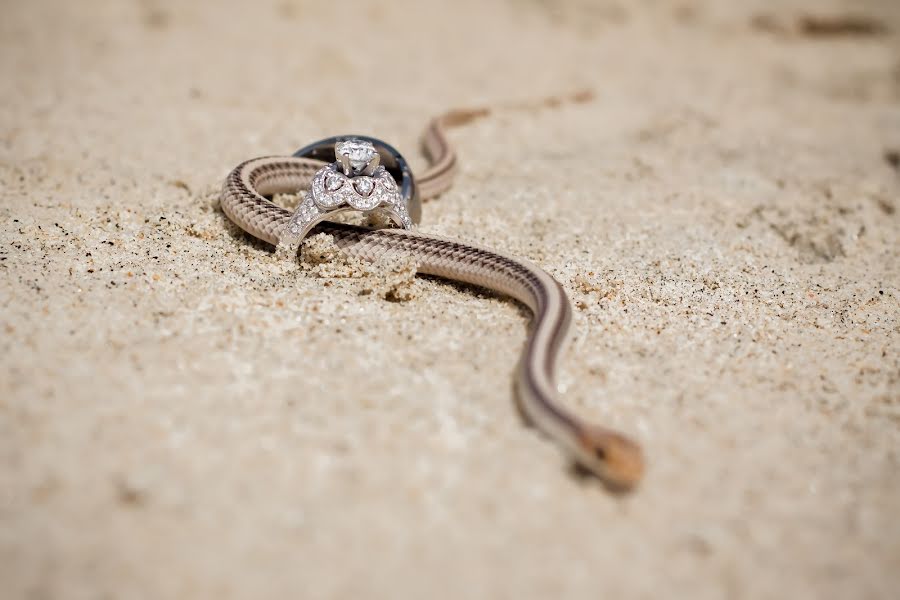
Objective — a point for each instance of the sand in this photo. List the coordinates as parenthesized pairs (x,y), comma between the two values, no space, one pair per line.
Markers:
(182,416)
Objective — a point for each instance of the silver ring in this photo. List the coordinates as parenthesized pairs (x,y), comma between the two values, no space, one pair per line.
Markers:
(354,181)
(389,157)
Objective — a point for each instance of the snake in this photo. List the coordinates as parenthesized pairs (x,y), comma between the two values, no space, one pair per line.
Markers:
(613,457)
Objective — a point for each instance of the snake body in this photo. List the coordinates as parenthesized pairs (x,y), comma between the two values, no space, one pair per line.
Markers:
(608,454)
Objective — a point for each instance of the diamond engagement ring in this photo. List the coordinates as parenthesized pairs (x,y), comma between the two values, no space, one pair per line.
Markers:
(356,180)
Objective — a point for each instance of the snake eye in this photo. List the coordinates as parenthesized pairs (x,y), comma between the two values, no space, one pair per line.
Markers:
(600,452)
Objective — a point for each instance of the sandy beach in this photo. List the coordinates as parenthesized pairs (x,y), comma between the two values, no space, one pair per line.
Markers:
(715,184)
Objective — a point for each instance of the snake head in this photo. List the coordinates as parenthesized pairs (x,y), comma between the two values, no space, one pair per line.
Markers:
(611,456)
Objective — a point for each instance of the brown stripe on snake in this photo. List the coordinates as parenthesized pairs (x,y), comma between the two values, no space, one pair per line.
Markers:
(608,454)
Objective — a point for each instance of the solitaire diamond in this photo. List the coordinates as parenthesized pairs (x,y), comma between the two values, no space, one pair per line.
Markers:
(359,154)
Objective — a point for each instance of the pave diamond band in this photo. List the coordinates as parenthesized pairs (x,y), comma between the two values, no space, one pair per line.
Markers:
(355,181)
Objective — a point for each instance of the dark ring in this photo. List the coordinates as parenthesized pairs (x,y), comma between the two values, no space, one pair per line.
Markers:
(392,160)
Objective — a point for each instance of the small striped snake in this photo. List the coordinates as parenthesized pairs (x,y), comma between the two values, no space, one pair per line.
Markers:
(610,455)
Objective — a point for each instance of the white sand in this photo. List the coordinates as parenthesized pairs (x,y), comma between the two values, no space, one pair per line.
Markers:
(181,416)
